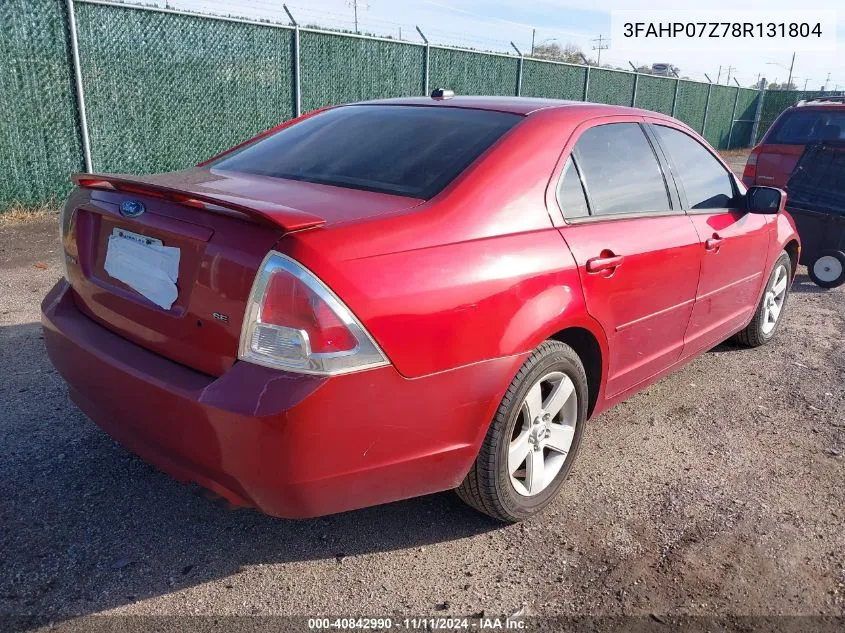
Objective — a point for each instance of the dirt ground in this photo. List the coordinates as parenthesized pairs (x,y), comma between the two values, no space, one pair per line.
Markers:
(718,491)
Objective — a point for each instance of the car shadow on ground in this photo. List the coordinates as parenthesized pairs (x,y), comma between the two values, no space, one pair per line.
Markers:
(85,526)
(805,285)
(802,284)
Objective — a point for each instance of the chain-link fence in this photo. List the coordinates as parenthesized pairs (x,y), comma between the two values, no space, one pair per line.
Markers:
(39,133)
(164,89)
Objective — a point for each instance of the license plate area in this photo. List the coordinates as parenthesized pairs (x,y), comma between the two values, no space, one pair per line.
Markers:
(144,264)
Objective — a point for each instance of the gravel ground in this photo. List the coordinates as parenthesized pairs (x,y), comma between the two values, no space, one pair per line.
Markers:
(718,491)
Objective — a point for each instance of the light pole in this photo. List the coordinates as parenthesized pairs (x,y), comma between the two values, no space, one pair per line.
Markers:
(791,66)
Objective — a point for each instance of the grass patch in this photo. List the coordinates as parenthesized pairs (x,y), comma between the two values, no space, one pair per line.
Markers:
(735,152)
(18,213)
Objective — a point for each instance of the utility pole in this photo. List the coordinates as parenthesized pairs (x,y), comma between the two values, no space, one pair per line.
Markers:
(728,80)
(719,74)
(603,45)
(533,35)
(805,84)
(789,81)
(354,5)
(826,81)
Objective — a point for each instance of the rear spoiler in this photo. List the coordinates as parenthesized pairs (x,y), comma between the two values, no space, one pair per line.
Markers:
(257,210)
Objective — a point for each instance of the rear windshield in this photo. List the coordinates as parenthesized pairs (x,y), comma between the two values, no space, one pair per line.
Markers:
(404,150)
(800,127)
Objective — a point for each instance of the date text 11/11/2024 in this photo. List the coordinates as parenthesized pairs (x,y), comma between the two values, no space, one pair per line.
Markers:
(479,623)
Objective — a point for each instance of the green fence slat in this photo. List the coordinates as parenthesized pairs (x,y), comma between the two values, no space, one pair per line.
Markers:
(39,136)
(469,73)
(692,99)
(656,93)
(610,86)
(746,109)
(165,91)
(553,81)
(339,69)
(720,115)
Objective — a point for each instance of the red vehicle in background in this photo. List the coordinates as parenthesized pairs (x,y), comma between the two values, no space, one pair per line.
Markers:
(773,160)
(400,297)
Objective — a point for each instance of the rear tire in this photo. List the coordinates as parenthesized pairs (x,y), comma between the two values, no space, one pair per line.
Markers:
(769,314)
(534,437)
(828,269)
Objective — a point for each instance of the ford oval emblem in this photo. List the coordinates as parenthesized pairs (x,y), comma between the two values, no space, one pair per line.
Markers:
(131,208)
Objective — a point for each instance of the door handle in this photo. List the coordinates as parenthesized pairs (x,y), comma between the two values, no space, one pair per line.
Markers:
(598,264)
(713,243)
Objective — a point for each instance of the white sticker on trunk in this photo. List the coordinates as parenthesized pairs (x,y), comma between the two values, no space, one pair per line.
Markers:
(145,265)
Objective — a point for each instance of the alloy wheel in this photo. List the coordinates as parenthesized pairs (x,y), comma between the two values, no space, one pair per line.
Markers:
(543,433)
(773,301)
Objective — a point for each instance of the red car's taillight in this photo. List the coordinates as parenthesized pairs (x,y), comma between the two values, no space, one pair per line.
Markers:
(749,174)
(289,302)
(66,219)
(295,322)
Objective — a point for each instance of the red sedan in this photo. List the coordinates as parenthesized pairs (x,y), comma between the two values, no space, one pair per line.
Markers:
(394,298)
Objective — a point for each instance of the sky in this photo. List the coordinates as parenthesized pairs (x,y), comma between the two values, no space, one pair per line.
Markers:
(493,24)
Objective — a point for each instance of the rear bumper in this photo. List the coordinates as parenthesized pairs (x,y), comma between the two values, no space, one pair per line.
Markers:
(292,445)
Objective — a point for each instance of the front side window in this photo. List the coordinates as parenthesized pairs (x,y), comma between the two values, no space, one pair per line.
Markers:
(620,170)
(402,150)
(707,184)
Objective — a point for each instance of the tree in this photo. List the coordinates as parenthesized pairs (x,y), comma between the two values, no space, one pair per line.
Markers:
(571,54)
(783,86)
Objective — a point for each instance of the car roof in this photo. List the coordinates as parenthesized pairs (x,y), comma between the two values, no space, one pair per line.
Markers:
(515,105)
(812,106)
(821,102)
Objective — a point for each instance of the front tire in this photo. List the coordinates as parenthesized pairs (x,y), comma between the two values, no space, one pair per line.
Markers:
(828,269)
(769,314)
(534,437)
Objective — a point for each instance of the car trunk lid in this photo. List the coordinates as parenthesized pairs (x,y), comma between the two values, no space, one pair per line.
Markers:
(223,226)
(818,182)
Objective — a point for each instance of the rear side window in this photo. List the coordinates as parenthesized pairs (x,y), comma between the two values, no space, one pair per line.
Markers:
(799,127)
(570,193)
(403,150)
(707,184)
(620,170)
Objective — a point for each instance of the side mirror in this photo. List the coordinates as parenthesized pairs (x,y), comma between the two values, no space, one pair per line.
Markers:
(765,200)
